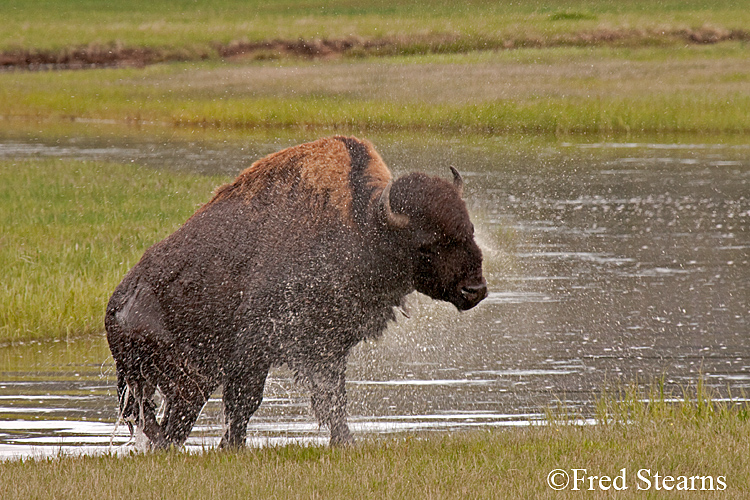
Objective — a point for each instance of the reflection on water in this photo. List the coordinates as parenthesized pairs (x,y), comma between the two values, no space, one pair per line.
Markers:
(608,263)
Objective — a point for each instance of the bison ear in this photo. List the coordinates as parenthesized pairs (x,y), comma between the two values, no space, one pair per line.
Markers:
(458,181)
(393,220)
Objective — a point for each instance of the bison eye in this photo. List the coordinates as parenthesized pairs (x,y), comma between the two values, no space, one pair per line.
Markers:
(428,250)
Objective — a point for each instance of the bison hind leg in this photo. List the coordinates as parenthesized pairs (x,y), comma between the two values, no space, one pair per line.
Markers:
(138,410)
(180,416)
(135,329)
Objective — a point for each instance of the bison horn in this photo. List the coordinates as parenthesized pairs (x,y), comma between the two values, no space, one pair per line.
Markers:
(458,181)
(396,221)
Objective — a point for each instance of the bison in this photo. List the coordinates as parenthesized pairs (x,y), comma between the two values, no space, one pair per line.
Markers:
(307,253)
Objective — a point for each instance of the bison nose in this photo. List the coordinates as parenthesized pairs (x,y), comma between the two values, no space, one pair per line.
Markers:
(474,293)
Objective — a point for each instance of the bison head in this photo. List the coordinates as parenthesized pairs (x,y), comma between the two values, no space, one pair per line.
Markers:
(430,222)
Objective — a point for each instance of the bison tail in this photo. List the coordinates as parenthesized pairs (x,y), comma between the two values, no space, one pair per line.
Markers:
(126,403)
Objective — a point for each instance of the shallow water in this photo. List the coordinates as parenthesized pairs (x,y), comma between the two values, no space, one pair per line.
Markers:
(608,263)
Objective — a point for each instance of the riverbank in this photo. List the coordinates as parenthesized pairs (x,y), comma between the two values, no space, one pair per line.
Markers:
(91,34)
(643,444)
(115,54)
(71,230)
(695,89)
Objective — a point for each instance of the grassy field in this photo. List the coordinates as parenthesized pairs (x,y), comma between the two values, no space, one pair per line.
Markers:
(71,230)
(193,28)
(579,66)
(660,445)
(704,89)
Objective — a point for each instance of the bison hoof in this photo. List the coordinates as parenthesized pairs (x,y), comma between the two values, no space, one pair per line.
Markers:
(341,439)
(235,444)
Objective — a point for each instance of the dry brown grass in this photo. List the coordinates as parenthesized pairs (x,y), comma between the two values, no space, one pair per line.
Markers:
(530,74)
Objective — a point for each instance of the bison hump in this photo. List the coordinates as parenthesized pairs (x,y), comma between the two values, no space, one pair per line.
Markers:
(344,175)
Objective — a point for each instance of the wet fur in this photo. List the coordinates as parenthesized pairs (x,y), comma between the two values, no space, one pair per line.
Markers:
(291,263)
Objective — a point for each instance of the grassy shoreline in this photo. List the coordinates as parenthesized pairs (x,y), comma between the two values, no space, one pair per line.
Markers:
(639,432)
(577,66)
(698,89)
(71,230)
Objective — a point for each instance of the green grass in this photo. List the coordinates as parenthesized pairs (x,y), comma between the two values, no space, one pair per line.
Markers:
(565,90)
(195,25)
(579,66)
(65,242)
(696,436)
(71,230)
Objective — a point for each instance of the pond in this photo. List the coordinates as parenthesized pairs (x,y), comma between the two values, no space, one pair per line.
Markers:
(608,263)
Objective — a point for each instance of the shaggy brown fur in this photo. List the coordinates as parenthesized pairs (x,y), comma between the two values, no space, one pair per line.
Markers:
(321,168)
(295,262)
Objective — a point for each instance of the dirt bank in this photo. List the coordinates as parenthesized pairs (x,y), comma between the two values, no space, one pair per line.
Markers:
(119,55)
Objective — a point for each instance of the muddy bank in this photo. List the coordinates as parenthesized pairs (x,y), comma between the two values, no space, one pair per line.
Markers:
(119,55)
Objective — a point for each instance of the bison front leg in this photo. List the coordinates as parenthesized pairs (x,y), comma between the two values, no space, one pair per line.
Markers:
(327,384)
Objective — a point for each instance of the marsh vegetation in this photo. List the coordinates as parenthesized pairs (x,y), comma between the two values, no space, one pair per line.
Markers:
(637,431)
(605,150)
(698,89)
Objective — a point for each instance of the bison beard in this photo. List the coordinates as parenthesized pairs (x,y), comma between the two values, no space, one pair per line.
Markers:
(303,256)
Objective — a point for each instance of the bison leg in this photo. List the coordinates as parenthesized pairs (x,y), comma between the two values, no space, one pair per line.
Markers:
(179,418)
(243,394)
(186,391)
(147,418)
(134,323)
(137,407)
(327,384)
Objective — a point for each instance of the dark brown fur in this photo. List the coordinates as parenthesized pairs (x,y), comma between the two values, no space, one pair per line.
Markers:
(294,262)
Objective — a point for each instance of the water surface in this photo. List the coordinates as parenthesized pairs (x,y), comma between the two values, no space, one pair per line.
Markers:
(609,263)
